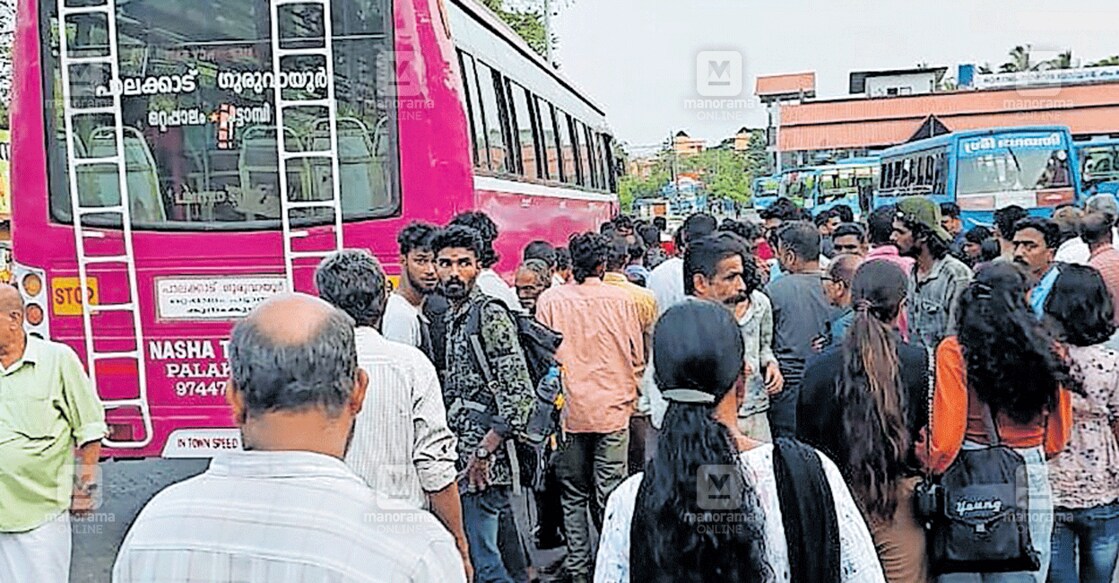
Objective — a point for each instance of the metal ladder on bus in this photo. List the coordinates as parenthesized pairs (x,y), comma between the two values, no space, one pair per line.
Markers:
(326,51)
(107,10)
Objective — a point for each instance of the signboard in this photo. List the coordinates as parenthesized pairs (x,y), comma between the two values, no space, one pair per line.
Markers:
(1003,143)
(213,298)
(1047,78)
(66,295)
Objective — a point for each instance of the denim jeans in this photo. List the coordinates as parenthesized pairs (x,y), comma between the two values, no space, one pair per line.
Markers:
(1094,532)
(481,517)
(1041,523)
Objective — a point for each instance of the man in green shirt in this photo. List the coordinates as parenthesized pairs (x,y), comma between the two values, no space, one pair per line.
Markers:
(47,409)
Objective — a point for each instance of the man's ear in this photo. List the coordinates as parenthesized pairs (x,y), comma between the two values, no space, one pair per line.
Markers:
(361,383)
(236,402)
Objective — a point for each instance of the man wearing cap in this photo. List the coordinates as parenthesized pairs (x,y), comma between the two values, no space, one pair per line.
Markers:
(937,278)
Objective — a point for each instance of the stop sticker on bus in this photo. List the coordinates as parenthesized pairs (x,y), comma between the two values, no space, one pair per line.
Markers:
(66,295)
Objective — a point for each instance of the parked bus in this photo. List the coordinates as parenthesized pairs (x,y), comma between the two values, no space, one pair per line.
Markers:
(985,170)
(1099,166)
(819,188)
(179,162)
(764,191)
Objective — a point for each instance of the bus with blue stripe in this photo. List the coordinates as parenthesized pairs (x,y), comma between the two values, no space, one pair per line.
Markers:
(983,170)
(1099,166)
(848,182)
(763,191)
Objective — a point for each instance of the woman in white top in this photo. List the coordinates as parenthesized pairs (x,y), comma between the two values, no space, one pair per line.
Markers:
(683,526)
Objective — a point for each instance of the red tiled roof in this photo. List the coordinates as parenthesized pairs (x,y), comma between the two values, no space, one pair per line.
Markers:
(852,123)
(785,84)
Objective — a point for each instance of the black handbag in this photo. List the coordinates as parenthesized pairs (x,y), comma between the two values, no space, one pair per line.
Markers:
(977,513)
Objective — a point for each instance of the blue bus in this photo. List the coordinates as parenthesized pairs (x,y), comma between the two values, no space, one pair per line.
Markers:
(1099,166)
(763,192)
(985,170)
(819,188)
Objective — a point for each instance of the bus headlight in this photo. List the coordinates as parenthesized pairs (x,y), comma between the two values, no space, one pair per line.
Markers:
(31,284)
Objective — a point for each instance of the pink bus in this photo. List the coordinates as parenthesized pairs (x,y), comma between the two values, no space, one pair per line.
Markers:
(159,200)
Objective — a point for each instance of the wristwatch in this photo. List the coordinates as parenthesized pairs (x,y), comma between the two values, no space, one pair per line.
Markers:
(482,453)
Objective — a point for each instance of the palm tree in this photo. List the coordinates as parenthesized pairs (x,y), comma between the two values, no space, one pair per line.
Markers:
(1019,60)
(1063,61)
(1112,61)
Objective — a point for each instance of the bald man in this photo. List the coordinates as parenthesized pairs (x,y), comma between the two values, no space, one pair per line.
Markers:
(47,409)
(837,288)
(288,506)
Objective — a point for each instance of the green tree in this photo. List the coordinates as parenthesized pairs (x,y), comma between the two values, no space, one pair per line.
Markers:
(1019,61)
(1112,61)
(527,19)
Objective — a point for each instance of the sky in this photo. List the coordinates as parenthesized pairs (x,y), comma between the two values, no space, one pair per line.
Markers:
(638,58)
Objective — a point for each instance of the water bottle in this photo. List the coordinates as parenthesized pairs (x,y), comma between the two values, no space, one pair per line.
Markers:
(541,423)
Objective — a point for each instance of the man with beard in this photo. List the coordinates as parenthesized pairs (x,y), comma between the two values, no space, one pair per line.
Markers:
(488,392)
(409,457)
(937,279)
(1035,245)
(287,505)
(404,319)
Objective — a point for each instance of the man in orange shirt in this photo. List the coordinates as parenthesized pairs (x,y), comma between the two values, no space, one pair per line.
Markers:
(603,354)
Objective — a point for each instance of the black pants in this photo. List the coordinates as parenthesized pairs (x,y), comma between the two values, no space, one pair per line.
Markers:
(783,411)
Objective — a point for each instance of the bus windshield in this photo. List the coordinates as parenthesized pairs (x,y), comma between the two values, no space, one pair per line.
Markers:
(1012,169)
(197,91)
(843,182)
(1100,164)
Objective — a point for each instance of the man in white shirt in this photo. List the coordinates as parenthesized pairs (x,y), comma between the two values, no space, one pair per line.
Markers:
(404,320)
(401,444)
(667,280)
(488,280)
(1073,249)
(287,509)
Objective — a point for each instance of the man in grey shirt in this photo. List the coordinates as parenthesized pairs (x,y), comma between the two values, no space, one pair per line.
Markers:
(800,314)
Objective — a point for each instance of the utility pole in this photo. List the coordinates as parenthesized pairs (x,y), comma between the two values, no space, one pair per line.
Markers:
(548,32)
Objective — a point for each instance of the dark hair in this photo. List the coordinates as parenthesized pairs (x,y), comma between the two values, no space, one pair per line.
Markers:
(1095,228)
(989,249)
(740,228)
(541,250)
(949,210)
(650,234)
(696,345)
(783,208)
(1081,306)
(802,238)
(978,234)
(273,375)
(1049,230)
(416,236)
(589,251)
(823,217)
(563,258)
(354,282)
(623,221)
(848,229)
(875,441)
(617,256)
(608,228)
(703,256)
(844,213)
(458,237)
(923,233)
(636,251)
(696,226)
(1006,218)
(1011,364)
(660,223)
(487,230)
(880,225)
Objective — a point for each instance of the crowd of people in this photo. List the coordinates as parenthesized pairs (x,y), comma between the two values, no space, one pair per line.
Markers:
(805,398)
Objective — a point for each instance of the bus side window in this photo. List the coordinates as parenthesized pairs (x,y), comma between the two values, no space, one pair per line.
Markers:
(474,112)
(491,109)
(525,134)
(550,138)
(567,148)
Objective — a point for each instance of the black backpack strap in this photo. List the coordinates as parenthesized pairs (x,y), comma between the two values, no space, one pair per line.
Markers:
(807,513)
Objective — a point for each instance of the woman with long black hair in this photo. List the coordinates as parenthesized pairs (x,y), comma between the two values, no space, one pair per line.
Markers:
(708,507)
(1085,477)
(1003,361)
(864,404)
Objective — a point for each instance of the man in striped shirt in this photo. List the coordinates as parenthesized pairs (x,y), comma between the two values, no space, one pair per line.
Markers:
(287,509)
(402,446)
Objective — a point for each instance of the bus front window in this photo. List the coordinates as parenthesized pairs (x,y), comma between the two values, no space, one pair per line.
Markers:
(1014,170)
(198,106)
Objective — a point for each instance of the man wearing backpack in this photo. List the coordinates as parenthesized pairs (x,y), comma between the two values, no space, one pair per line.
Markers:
(603,354)
(488,392)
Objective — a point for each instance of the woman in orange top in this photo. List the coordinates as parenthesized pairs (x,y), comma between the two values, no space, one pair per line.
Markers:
(1005,359)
